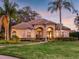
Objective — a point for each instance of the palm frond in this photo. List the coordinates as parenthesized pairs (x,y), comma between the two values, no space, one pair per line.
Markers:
(1,11)
(49,8)
(53,3)
(52,9)
(6,5)
(75,11)
(54,6)
(68,8)
(27,8)
(14,5)
(67,5)
(50,3)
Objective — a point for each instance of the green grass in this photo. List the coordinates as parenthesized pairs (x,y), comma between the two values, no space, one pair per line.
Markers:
(50,50)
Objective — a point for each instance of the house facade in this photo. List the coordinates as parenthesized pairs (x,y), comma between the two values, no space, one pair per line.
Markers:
(39,29)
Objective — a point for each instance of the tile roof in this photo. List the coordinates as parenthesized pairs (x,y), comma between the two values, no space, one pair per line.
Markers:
(40,22)
(57,27)
(29,25)
(23,25)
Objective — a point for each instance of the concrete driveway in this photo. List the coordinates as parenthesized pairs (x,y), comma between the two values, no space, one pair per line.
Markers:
(7,57)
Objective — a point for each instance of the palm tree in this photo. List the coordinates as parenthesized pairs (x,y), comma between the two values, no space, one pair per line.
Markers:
(58,5)
(7,12)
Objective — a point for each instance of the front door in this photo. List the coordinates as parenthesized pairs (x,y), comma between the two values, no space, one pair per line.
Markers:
(39,33)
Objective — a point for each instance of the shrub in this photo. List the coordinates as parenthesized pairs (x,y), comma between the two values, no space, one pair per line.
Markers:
(74,34)
(15,39)
(9,42)
(3,41)
(12,41)
(2,33)
(67,39)
(2,36)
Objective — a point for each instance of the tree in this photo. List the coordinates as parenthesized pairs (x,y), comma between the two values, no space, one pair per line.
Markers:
(76,21)
(7,12)
(58,5)
(26,14)
(74,34)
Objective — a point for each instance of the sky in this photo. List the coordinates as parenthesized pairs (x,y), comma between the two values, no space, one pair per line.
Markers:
(41,7)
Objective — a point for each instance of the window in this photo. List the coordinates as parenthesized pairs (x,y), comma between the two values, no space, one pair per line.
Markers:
(50,32)
(28,34)
(14,32)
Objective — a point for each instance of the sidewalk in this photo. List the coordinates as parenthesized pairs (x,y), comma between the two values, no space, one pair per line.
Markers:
(7,57)
(2,46)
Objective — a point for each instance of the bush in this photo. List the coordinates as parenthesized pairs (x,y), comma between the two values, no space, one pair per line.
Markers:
(74,34)
(15,39)
(67,39)
(2,36)
(3,42)
(2,33)
(12,41)
(9,42)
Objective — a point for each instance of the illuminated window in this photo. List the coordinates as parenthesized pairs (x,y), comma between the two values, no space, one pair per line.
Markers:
(49,29)
(50,32)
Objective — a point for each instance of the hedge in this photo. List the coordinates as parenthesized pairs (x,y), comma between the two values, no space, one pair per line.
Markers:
(74,34)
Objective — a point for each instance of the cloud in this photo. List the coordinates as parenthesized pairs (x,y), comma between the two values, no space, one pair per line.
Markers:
(69,22)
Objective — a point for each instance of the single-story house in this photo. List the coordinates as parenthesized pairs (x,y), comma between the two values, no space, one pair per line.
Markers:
(39,29)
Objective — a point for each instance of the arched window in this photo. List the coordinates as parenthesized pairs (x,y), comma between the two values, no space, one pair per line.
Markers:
(39,32)
(50,32)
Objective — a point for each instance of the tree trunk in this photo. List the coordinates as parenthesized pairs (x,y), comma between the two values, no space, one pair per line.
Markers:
(0,24)
(60,26)
(8,29)
(5,34)
(8,32)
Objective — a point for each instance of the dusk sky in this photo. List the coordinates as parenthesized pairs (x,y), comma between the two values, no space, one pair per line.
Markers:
(41,7)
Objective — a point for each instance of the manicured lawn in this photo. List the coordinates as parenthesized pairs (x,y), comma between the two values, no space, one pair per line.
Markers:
(50,50)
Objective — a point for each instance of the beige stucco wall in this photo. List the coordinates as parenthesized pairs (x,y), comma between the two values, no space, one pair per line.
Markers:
(64,33)
(23,33)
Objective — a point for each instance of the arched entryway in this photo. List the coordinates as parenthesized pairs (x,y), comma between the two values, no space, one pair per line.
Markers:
(39,33)
(49,32)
